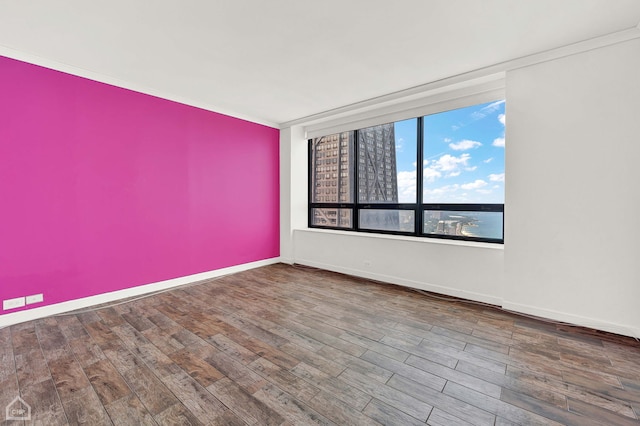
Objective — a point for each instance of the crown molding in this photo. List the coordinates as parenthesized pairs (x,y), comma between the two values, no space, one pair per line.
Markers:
(113,81)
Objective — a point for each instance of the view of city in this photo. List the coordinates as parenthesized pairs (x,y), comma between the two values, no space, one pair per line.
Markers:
(463,163)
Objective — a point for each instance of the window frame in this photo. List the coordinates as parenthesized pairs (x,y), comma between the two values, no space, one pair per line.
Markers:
(419,207)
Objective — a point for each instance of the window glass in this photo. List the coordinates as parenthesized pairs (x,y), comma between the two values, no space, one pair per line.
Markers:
(464,155)
(331,163)
(369,176)
(464,223)
(335,218)
(386,163)
(388,220)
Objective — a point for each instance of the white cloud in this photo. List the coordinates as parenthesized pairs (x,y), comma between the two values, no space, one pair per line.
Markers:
(499,142)
(441,190)
(407,186)
(493,106)
(489,109)
(400,145)
(488,160)
(433,156)
(496,177)
(447,165)
(471,169)
(449,162)
(478,183)
(464,145)
(446,194)
(431,174)
(447,140)
(479,114)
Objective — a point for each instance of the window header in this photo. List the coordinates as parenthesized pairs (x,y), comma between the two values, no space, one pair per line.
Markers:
(439,99)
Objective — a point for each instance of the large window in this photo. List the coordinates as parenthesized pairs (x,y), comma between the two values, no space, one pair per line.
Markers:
(439,176)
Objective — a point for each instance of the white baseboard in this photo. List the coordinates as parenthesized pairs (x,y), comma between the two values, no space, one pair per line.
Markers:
(624,330)
(85,302)
(469,295)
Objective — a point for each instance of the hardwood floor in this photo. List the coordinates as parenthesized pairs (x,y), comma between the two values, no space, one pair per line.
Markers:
(291,345)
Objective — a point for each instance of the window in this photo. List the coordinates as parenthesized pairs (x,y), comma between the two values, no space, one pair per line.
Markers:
(457,193)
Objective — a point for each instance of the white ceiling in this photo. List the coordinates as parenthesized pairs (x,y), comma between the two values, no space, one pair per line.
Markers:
(280,60)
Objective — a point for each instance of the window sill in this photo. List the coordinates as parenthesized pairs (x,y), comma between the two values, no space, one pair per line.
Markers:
(424,240)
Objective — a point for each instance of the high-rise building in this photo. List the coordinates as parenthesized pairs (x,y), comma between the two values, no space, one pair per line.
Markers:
(334,181)
(377,174)
(378,177)
(332,178)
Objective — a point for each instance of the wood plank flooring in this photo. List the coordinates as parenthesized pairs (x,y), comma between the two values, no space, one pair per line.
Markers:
(292,345)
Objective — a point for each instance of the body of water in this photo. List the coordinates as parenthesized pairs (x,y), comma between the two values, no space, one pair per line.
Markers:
(484,225)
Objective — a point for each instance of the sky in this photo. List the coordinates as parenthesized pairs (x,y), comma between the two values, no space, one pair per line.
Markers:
(463,156)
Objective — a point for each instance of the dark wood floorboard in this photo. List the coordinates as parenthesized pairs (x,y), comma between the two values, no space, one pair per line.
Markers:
(288,345)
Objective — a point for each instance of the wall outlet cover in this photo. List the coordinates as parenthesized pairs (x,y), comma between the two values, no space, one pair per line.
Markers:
(18,302)
(35,298)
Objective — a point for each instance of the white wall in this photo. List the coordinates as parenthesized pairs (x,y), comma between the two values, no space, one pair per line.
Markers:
(572,191)
(472,272)
(293,188)
(571,232)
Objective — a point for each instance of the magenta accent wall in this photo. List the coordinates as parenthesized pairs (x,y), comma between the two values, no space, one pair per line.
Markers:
(103,188)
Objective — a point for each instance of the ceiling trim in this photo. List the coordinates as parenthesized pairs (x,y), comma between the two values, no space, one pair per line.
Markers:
(449,83)
(475,92)
(102,78)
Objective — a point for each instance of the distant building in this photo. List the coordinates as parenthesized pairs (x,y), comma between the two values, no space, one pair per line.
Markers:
(333,181)
(377,171)
(377,176)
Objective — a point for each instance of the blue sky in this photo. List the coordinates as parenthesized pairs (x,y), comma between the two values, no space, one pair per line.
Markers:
(463,156)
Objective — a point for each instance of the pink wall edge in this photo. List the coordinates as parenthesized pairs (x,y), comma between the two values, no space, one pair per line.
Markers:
(104,188)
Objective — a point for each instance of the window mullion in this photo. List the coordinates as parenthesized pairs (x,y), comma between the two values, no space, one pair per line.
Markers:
(356,182)
(419,213)
(310,180)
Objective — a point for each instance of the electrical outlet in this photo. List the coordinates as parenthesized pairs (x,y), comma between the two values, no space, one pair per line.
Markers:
(18,302)
(35,298)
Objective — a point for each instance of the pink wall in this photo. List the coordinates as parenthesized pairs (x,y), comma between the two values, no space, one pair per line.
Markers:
(103,188)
